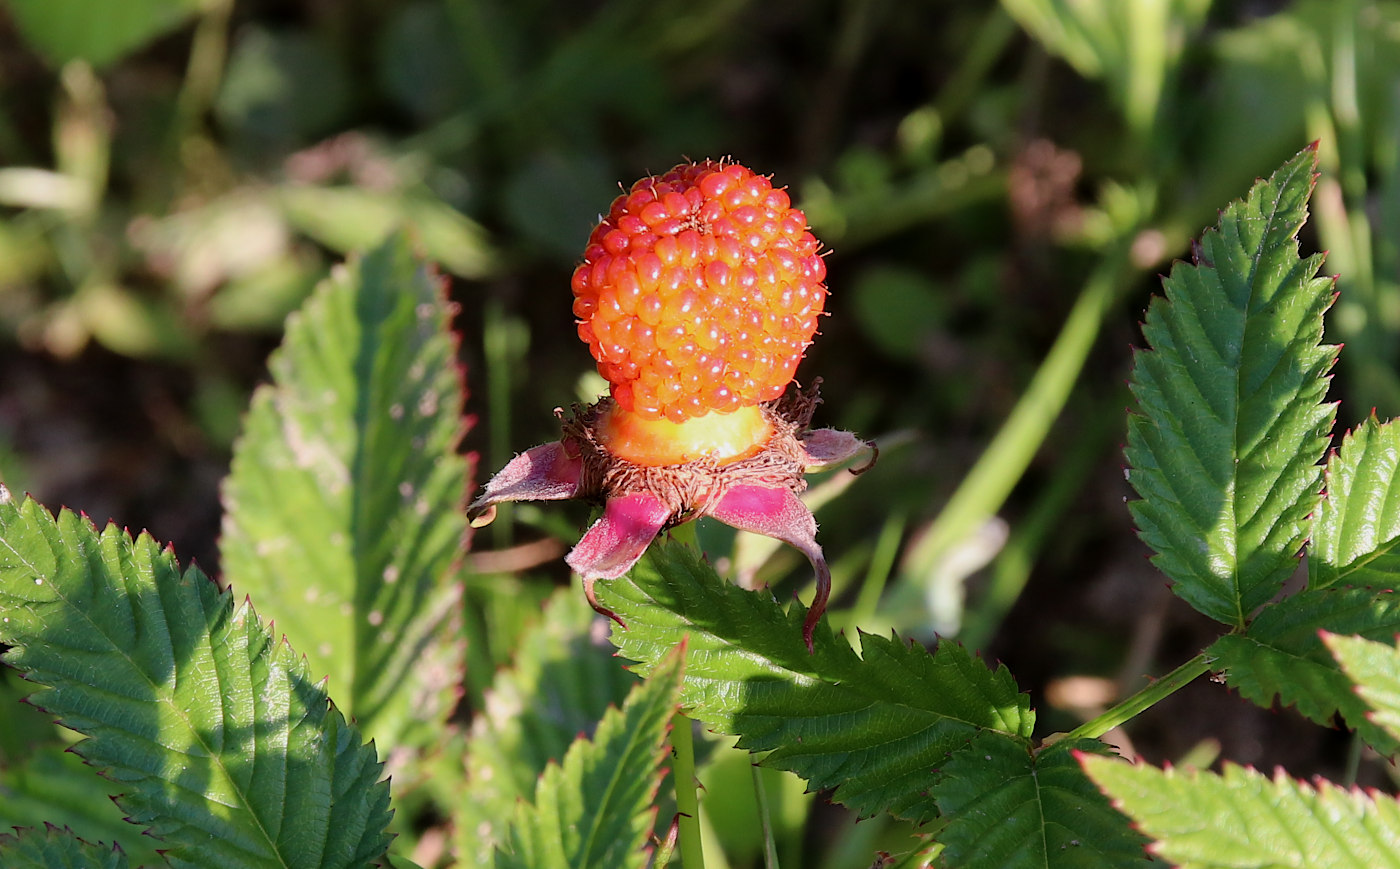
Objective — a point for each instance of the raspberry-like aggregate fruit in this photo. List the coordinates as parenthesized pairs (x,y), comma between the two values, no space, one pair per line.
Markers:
(699,292)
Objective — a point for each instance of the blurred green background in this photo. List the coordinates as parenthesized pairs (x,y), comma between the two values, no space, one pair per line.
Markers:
(999,185)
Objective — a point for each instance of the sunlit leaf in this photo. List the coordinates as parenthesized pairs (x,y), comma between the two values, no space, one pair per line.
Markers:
(344,502)
(1225,443)
(1242,819)
(1356,539)
(596,808)
(219,738)
(873,726)
(1375,668)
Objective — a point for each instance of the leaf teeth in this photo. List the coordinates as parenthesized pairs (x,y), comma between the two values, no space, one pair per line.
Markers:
(596,807)
(255,748)
(344,501)
(872,726)
(1224,447)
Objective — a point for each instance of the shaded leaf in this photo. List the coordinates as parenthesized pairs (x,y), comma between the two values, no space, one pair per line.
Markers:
(1242,819)
(54,848)
(222,743)
(1225,444)
(1281,655)
(1375,668)
(563,680)
(98,31)
(871,726)
(1009,808)
(53,786)
(596,808)
(344,502)
(1357,532)
(283,87)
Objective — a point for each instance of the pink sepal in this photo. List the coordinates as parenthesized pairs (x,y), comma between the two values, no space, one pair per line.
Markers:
(829,446)
(543,473)
(778,513)
(609,549)
(628,525)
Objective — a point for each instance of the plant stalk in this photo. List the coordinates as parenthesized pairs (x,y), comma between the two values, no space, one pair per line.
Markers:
(986,487)
(687,799)
(765,818)
(1142,700)
(683,770)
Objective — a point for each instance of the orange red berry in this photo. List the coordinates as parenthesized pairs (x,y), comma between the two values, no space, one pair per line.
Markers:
(699,292)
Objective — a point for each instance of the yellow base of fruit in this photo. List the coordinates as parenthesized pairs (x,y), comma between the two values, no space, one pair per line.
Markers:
(723,437)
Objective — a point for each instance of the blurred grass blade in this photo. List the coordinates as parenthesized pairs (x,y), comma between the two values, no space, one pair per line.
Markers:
(595,809)
(1358,526)
(344,502)
(990,481)
(871,726)
(223,744)
(1242,818)
(1231,424)
(1132,46)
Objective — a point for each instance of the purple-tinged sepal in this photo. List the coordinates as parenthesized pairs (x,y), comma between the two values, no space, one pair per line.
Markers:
(758,493)
(780,514)
(548,472)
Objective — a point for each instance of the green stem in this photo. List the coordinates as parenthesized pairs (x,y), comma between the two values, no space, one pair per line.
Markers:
(765,818)
(687,800)
(496,346)
(204,74)
(1353,764)
(683,744)
(877,575)
(1044,523)
(986,487)
(1143,700)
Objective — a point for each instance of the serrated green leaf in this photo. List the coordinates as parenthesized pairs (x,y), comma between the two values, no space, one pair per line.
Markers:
(1375,668)
(344,501)
(1281,655)
(54,786)
(563,680)
(596,809)
(870,725)
(98,31)
(55,848)
(1231,424)
(1242,819)
(1010,809)
(223,744)
(1357,536)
